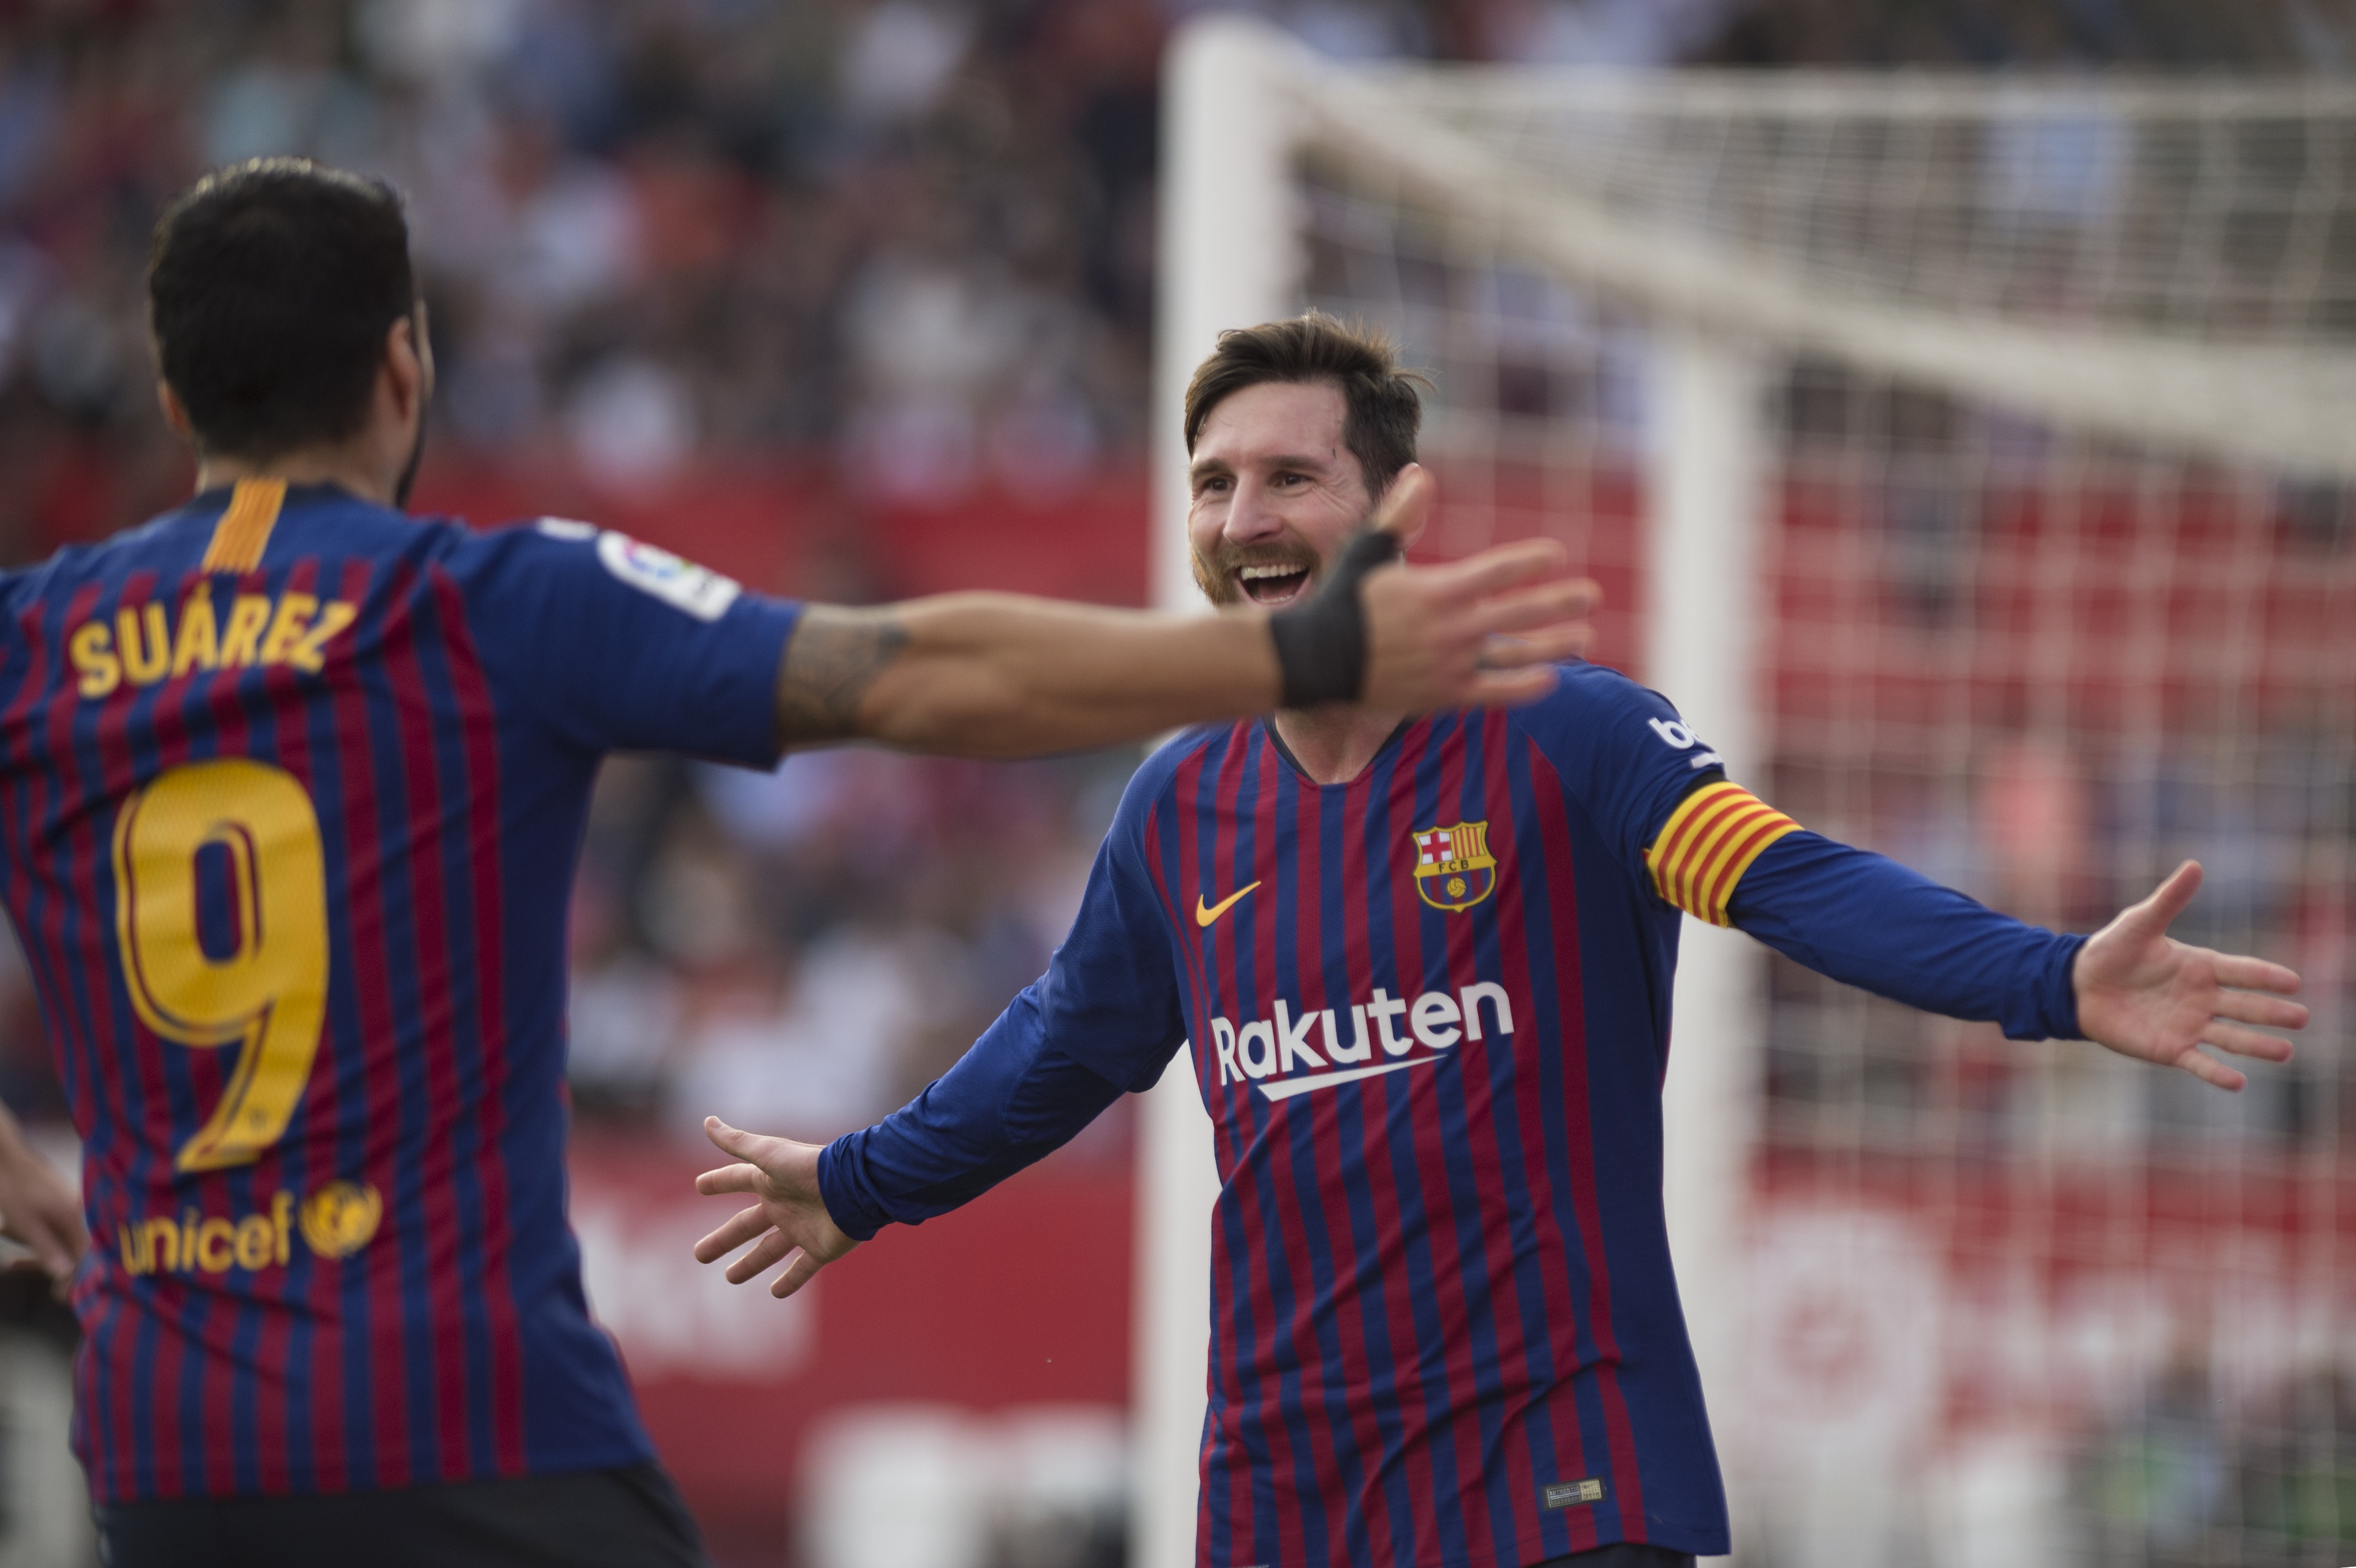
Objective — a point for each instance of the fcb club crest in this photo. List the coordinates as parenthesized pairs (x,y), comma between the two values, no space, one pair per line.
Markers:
(1453,867)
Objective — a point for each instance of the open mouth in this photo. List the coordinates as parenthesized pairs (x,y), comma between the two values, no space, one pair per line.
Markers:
(1273,587)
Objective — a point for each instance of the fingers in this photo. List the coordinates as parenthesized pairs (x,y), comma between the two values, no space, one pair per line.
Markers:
(733,1232)
(2256,1007)
(729,1178)
(2155,914)
(2247,973)
(1547,604)
(77,1233)
(732,1140)
(800,1272)
(1551,645)
(59,1247)
(2211,1071)
(2243,1041)
(45,1217)
(765,1254)
(1494,570)
(1510,688)
(1407,503)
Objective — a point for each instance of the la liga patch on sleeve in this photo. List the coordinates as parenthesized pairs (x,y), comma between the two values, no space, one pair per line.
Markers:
(700,591)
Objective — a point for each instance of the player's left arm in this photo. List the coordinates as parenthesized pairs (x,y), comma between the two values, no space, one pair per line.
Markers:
(1860,918)
(1710,847)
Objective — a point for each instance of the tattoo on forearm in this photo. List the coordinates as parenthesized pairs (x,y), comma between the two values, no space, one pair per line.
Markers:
(833,656)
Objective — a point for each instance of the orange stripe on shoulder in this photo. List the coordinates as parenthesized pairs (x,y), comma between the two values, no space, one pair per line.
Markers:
(1734,826)
(1725,818)
(1672,847)
(1677,832)
(1708,843)
(1735,859)
(244,531)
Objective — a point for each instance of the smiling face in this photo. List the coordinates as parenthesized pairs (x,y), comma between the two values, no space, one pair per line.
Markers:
(1276,493)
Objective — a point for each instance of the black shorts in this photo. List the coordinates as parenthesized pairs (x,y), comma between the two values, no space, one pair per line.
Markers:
(1623,1554)
(597,1519)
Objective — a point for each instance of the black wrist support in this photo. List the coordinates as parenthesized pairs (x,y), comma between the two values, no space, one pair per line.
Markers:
(1321,646)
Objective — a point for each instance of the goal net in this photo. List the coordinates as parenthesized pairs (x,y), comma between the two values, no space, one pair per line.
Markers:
(1972,462)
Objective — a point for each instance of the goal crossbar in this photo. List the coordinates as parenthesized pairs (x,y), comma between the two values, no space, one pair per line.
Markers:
(2286,404)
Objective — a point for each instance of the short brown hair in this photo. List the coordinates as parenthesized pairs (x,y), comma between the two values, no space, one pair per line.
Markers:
(1381,408)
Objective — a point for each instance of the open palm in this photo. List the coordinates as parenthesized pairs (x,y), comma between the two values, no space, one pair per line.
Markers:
(788,1215)
(2146,995)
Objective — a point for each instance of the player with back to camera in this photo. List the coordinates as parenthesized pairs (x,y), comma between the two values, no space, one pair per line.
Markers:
(292,787)
(1426,965)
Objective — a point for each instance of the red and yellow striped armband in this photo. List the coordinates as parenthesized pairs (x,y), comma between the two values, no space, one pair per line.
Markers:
(1708,843)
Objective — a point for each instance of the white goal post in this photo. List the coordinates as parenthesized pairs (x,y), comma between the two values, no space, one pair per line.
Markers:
(2018,246)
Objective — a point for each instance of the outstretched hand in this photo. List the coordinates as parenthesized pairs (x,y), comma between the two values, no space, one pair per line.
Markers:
(2146,995)
(788,1214)
(1484,630)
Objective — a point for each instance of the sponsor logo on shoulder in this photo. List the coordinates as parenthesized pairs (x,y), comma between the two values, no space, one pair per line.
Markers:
(1685,740)
(700,591)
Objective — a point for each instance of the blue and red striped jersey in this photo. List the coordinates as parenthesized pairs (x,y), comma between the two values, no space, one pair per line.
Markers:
(1445,1329)
(291,792)
(1429,1011)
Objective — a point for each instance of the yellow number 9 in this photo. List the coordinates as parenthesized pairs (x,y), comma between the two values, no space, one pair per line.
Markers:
(269,996)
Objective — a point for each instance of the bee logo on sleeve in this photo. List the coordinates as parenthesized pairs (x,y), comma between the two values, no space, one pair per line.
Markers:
(1453,867)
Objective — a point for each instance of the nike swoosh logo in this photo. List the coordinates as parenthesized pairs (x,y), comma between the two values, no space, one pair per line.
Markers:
(1286,1088)
(1206,913)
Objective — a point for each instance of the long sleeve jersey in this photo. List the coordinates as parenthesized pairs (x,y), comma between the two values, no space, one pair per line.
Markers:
(1430,1014)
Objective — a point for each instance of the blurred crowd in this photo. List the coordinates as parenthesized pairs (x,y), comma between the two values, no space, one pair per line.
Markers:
(802,951)
(914,235)
(2189,1476)
(909,242)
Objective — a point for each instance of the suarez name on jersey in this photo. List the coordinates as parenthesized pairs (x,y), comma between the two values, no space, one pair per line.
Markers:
(291,788)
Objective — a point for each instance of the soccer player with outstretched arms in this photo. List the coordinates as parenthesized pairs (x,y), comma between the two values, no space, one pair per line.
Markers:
(1425,966)
(292,787)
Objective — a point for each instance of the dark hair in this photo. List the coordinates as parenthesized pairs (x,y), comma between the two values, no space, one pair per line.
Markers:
(271,286)
(1381,408)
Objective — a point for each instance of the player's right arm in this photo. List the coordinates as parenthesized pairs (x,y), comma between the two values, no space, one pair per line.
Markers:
(610,645)
(997,674)
(1103,1022)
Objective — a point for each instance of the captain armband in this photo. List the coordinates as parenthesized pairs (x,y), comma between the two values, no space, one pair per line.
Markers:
(1708,843)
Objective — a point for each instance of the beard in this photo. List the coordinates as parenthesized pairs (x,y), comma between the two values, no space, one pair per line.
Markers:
(1220,574)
